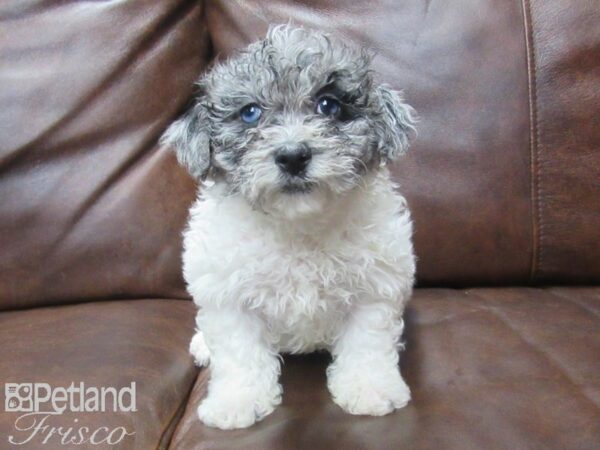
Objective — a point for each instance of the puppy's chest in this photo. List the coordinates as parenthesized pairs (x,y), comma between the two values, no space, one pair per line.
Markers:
(309,282)
(307,294)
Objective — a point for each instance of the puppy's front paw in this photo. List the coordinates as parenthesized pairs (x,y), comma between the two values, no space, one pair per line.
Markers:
(238,407)
(357,392)
(199,350)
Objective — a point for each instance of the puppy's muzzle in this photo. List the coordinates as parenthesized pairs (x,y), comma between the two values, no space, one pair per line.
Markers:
(293,159)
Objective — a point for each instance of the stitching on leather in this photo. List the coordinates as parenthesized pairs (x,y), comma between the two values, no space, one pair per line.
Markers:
(538,152)
(534,136)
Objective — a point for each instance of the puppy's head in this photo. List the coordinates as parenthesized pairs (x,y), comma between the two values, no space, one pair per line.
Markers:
(291,122)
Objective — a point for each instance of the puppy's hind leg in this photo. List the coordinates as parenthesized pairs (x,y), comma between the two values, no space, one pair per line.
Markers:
(244,371)
(364,377)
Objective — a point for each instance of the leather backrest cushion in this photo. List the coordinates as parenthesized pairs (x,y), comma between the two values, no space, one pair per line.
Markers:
(504,177)
(565,46)
(90,207)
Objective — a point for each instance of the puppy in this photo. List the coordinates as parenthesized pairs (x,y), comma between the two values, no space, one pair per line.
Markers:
(298,240)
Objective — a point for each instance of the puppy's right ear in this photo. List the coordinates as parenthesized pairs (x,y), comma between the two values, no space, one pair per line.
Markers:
(190,135)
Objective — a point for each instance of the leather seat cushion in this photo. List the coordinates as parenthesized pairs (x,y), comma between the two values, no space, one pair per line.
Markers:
(104,344)
(488,368)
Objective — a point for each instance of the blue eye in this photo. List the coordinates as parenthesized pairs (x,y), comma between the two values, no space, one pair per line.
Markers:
(328,106)
(250,113)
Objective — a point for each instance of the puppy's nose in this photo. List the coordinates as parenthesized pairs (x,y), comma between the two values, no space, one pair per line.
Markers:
(293,160)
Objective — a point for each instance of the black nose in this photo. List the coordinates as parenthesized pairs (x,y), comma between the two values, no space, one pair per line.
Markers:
(293,160)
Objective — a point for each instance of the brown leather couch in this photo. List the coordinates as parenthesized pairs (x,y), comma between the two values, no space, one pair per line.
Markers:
(503,333)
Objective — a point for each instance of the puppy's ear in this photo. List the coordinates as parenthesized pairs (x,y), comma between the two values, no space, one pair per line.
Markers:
(395,122)
(190,135)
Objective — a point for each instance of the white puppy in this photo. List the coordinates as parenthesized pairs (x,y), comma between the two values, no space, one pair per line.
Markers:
(299,241)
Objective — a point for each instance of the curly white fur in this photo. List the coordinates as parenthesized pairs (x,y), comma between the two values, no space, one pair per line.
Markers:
(339,282)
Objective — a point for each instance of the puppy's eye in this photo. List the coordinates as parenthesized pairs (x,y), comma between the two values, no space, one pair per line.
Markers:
(328,106)
(250,113)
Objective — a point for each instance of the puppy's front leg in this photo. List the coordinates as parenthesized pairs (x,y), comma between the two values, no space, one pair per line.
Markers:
(243,386)
(364,377)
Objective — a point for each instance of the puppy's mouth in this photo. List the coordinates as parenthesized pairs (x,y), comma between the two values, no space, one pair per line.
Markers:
(297,186)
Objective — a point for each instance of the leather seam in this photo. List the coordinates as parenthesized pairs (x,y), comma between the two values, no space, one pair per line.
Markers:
(168,433)
(574,302)
(534,137)
(534,346)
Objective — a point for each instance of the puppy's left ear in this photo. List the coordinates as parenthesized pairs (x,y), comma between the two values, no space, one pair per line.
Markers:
(395,122)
